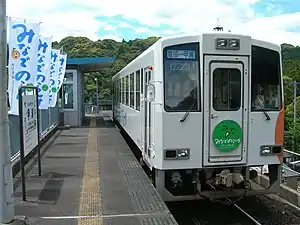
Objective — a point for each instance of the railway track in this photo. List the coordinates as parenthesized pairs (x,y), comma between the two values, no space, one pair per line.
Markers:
(256,222)
(249,211)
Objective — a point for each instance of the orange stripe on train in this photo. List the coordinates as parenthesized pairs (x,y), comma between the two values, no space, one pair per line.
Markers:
(279,132)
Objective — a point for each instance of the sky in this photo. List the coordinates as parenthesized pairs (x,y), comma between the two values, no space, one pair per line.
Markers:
(276,21)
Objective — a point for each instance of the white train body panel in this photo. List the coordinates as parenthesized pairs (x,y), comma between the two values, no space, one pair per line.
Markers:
(153,121)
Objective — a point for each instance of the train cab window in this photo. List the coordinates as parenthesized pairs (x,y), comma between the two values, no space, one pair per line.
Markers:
(265,80)
(181,78)
(227,89)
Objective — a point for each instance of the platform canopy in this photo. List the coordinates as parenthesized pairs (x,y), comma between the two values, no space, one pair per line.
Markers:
(90,64)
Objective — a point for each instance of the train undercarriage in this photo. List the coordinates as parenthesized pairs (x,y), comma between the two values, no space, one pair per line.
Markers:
(215,183)
(209,183)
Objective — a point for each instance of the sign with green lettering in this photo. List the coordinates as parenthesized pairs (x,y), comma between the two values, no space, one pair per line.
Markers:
(227,135)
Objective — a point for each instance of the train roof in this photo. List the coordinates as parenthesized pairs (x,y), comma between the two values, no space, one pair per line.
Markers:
(259,42)
(151,48)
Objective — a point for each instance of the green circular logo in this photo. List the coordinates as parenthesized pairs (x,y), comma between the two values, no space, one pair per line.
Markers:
(53,89)
(30,85)
(227,135)
(45,87)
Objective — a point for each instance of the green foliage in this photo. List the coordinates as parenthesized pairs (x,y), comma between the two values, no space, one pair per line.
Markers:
(291,72)
(125,52)
(288,90)
(290,52)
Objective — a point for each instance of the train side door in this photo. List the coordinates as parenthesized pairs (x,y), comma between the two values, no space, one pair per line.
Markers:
(226,110)
(146,114)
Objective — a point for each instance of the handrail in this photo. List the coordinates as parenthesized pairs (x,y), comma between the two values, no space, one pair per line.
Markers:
(291,152)
(288,168)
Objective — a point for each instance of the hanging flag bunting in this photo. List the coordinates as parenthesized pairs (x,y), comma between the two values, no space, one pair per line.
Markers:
(53,77)
(43,71)
(23,46)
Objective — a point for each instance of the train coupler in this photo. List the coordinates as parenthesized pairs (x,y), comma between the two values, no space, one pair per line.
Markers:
(228,179)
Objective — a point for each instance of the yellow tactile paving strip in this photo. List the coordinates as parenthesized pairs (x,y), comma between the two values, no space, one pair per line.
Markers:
(90,198)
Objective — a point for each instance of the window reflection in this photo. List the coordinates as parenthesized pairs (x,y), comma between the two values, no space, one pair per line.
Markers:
(181,78)
(226,89)
(265,80)
(68,76)
(68,97)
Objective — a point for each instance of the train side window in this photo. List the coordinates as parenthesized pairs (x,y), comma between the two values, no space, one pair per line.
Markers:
(113,92)
(123,90)
(265,80)
(181,78)
(146,77)
(131,79)
(126,90)
(116,91)
(137,87)
(226,89)
(142,81)
(121,94)
(119,91)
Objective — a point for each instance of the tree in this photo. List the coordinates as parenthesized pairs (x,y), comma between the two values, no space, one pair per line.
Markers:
(124,52)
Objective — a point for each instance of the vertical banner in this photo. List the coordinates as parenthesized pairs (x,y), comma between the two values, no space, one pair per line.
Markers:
(23,46)
(61,72)
(43,71)
(53,77)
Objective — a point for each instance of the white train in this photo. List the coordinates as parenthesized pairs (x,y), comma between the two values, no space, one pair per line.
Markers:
(204,110)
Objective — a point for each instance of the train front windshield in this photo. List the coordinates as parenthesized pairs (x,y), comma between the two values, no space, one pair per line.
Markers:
(265,80)
(181,78)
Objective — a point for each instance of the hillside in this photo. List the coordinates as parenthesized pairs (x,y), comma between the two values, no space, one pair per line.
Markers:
(123,51)
(126,51)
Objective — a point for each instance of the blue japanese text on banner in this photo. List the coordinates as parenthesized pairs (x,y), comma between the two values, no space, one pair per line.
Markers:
(43,71)
(53,76)
(23,46)
(61,74)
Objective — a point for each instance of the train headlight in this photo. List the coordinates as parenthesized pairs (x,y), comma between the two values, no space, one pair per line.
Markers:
(234,43)
(176,154)
(183,153)
(228,44)
(266,150)
(221,43)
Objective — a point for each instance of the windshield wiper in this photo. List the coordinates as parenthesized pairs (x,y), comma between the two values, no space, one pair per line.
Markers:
(262,107)
(188,111)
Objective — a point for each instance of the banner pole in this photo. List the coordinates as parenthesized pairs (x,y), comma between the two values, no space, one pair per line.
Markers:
(6,179)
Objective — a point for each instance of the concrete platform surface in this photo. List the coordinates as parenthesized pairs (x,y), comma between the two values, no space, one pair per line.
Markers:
(90,176)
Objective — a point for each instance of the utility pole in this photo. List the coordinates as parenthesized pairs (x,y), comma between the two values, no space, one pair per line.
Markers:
(295,83)
(7,213)
(97,95)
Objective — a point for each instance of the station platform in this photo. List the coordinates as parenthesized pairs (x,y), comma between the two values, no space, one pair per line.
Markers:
(89,176)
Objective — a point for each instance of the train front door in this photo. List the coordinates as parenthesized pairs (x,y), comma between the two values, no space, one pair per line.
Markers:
(225,110)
